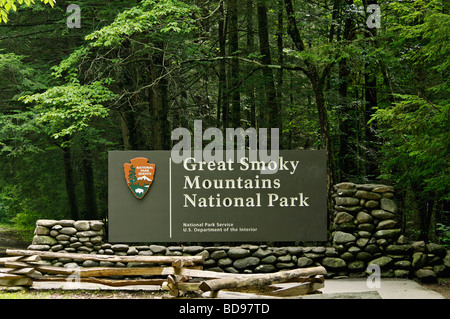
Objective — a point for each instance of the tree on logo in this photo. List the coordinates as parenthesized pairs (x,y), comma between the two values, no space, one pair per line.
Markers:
(132,175)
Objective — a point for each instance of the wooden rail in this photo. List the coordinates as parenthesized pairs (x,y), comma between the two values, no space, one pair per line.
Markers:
(25,266)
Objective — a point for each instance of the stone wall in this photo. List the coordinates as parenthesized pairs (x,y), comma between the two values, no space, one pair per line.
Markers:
(364,230)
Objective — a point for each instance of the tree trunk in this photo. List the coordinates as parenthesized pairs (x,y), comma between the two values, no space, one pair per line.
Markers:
(251,49)
(70,181)
(280,89)
(222,101)
(158,102)
(317,82)
(371,165)
(347,157)
(371,102)
(234,48)
(318,88)
(90,198)
(273,113)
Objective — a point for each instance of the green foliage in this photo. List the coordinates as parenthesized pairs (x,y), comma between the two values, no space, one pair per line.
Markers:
(34,188)
(418,134)
(136,68)
(7,5)
(155,18)
(70,108)
(443,235)
(416,125)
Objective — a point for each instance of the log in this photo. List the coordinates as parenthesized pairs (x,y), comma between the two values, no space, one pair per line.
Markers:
(16,264)
(111,258)
(344,295)
(173,287)
(195,272)
(6,270)
(260,280)
(179,263)
(106,282)
(20,258)
(106,271)
(15,280)
(236,295)
(318,278)
(297,290)
(23,271)
(182,286)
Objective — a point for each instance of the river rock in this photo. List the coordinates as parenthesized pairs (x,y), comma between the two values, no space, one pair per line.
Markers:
(381,261)
(218,254)
(419,260)
(388,205)
(342,237)
(304,262)
(343,217)
(446,259)
(96,224)
(224,262)
(382,189)
(382,214)
(356,265)
(294,250)
(342,192)
(120,247)
(399,249)
(426,275)
(371,204)
(265,268)
(261,253)
(269,259)
(238,252)
(334,263)
(46,222)
(347,201)
(436,249)
(345,185)
(44,240)
(41,230)
(387,233)
(82,225)
(367,195)
(68,231)
(386,224)
(245,262)
(158,249)
(192,249)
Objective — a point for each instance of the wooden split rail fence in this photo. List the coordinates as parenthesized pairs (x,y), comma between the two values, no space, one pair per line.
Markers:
(177,274)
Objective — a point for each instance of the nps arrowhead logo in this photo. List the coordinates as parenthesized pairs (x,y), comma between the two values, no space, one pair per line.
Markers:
(139,175)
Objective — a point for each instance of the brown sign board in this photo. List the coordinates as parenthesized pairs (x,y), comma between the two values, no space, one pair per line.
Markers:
(219,201)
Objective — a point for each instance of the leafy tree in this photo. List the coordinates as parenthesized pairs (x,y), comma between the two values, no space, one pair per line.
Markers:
(7,5)
(416,123)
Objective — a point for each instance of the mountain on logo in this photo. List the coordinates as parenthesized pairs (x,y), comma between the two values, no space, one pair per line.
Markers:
(144,178)
(139,174)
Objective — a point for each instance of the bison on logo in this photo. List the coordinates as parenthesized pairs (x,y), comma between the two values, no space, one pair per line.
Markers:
(139,175)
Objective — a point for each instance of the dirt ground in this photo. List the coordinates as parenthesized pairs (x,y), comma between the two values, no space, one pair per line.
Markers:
(442,287)
(10,239)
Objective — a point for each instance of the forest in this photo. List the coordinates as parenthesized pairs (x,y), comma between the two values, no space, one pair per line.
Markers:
(365,80)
